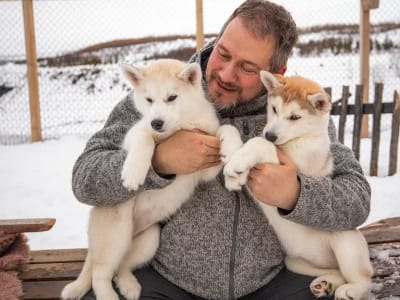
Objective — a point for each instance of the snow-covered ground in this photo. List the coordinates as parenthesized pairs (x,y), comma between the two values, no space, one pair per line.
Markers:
(35,178)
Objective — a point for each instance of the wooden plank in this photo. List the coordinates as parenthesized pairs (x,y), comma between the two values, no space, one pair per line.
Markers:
(394,139)
(58,255)
(367,109)
(383,231)
(43,289)
(376,130)
(50,271)
(26,225)
(32,70)
(357,121)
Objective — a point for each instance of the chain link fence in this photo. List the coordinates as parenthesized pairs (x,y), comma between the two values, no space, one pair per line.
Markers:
(82,43)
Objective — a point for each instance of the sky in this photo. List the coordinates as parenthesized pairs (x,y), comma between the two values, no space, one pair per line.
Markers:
(35,179)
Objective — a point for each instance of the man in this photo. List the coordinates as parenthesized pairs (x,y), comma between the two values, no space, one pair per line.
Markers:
(220,245)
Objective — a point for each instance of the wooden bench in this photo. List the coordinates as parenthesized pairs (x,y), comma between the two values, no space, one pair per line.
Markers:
(48,271)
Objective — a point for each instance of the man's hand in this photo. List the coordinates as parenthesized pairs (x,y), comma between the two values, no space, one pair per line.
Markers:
(185,152)
(275,184)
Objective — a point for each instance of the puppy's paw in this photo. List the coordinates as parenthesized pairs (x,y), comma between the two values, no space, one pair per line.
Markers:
(128,286)
(326,285)
(235,173)
(230,141)
(321,287)
(353,291)
(133,173)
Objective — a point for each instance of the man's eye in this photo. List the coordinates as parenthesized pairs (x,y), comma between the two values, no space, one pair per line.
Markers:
(223,56)
(294,117)
(172,98)
(248,69)
(149,100)
(274,109)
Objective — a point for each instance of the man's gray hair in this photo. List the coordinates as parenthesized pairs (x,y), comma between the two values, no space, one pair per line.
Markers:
(263,18)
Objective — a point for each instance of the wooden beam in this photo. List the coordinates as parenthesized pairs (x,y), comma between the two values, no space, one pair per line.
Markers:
(26,225)
(383,231)
(199,24)
(394,139)
(32,70)
(364,61)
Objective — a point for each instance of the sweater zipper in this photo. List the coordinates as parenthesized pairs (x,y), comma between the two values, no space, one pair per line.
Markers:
(233,248)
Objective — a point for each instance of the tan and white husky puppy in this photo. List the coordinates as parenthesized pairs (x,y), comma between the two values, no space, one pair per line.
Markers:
(169,96)
(297,122)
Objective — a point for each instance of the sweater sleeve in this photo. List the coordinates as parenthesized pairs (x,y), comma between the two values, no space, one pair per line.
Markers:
(96,175)
(337,202)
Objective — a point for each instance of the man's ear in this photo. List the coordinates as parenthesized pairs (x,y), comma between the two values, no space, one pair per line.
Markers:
(282,71)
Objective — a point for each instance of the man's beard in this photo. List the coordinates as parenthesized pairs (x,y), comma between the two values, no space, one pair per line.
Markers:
(228,86)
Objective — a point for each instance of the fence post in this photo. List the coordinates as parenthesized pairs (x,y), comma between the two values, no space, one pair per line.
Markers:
(199,24)
(394,140)
(376,129)
(31,64)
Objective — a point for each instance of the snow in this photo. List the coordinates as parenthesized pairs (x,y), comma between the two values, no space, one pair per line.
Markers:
(35,179)
(35,182)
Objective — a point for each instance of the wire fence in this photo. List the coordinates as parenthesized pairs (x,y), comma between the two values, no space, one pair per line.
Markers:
(81,44)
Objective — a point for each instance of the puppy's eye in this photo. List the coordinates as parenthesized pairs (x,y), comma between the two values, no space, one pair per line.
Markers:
(172,98)
(294,117)
(149,100)
(274,109)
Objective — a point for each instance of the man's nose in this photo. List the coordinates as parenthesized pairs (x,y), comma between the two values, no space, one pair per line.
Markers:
(228,73)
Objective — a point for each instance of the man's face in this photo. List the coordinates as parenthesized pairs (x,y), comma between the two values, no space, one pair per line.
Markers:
(233,68)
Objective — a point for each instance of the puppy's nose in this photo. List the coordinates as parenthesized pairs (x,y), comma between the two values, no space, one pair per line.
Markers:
(270,136)
(157,124)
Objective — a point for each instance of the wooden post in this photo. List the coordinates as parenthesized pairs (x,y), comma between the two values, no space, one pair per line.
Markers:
(366,6)
(199,24)
(32,70)
(376,130)
(394,140)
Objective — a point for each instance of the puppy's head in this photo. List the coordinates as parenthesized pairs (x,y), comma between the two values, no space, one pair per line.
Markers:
(161,91)
(297,107)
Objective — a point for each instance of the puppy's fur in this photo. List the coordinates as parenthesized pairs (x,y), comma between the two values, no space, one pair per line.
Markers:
(169,95)
(298,117)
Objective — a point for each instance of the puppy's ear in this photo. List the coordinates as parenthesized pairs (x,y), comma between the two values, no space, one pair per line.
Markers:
(320,101)
(132,73)
(269,80)
(191,74)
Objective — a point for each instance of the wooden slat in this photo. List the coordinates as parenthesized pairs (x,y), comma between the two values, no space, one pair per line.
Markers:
(26,225)
(376,130)
(394,139)
(50,271)
(58,255)
(383,231)
(43,289)
(357,121)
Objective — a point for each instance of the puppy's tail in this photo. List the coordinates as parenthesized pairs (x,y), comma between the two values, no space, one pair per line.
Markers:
(79,287)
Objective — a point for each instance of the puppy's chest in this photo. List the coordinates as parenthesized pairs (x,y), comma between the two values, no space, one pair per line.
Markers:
(249,126)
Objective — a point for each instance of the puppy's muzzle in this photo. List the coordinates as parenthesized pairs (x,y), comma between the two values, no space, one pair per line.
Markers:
(270,136)
(157,125)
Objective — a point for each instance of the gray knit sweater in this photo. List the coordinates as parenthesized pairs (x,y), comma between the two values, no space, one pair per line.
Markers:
(219,245)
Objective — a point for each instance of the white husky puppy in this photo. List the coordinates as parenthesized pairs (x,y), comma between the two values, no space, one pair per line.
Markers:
(169,96)
(297,122)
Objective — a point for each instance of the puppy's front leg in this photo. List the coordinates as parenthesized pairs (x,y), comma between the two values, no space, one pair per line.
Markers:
(254,151)
(140,145)
(230,141)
